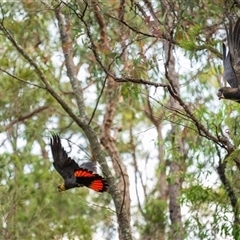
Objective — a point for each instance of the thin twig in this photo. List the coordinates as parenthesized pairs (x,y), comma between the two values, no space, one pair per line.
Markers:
(24,117)
(21,80)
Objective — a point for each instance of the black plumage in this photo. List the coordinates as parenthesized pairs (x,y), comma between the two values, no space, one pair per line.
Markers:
(73,174)
(231,63)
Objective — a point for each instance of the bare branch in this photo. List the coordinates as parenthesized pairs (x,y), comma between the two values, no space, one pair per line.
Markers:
(21,80)
(64,28)
(140,81)
(25,117)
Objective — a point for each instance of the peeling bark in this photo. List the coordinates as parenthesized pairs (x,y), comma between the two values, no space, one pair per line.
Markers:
(122,189)
(175,184)
(156,120)
(109,142)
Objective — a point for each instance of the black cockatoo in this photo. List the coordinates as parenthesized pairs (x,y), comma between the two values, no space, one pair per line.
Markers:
(231,64)
(73,174)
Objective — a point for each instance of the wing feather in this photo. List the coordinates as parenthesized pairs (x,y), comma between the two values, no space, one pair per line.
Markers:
(232,60)
(62,163)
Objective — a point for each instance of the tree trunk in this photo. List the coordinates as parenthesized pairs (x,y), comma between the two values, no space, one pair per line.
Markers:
(176,160)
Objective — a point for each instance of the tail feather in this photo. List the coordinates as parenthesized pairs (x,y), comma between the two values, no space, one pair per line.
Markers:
(91,180)
(99,185)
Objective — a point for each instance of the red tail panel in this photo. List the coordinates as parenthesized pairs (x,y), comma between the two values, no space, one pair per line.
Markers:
(97,185)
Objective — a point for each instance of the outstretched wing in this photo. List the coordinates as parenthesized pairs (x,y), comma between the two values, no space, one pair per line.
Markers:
(231,61)
(62,163)
(91,180)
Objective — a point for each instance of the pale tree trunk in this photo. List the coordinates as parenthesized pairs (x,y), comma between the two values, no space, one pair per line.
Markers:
(176,160)
(175,183)
(173,189)
(157,121)
(108,140)
(162,179)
